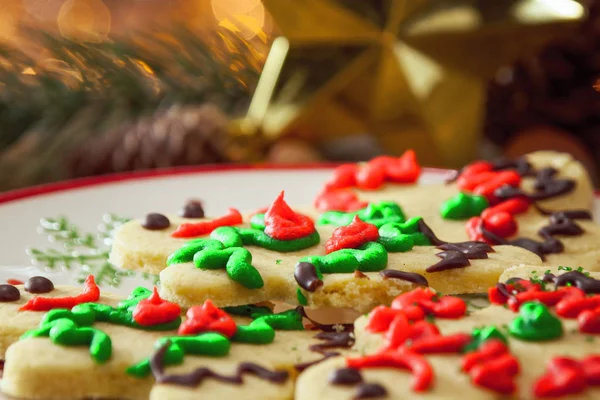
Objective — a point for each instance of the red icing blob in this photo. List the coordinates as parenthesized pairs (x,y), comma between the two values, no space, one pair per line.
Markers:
(282,223)
(502,224)
(344,176)
(90,294)
(441,344)
(565,376)
(14,282)
(352,236)
(339,200)
(417,364)
(187,230)
(589,321)
(207,318)
(492,367)
(422,301)
(155,311)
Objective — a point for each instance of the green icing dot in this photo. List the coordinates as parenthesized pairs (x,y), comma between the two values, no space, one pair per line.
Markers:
(370,257)
(481,335)
(402,236)
(376,214)
(535,323)
(463,206)
(302,300)
(258,222)
(258,332)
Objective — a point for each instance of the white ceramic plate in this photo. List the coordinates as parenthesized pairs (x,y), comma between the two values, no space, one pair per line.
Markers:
(85,202)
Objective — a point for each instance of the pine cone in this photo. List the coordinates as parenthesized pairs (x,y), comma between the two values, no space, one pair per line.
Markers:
(553,88)
(180,135)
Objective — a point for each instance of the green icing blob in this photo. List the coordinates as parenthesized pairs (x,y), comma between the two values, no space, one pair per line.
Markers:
(402,236)
(535,323)
(302,300)
(463,206)
(258,222)
(67,332)
(377,214)
(258,332)
(481,335)
(206,344)
(369,257)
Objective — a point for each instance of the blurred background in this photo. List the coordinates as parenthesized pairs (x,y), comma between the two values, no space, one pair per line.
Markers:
(90,87)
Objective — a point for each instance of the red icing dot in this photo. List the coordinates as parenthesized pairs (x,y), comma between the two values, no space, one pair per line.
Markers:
(282,223)
(186,230)
(155,311)
(339,200)
(352,236)
(207,318)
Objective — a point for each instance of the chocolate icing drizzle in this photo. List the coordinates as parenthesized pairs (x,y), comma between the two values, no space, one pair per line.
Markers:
(520,165)
(560,223)
(412,277)
(197,376)
(9,293)
(306,276)
(455,255)
(546,186)
(577,278)
(39,284)
(370,391)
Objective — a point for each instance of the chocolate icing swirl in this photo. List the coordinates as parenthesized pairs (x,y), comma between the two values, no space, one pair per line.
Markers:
(306,276)
(332,340)
(579,279)
(197,376)
(546,186)
(345,377)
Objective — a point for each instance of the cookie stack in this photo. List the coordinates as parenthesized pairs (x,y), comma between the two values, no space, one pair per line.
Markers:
(242,297)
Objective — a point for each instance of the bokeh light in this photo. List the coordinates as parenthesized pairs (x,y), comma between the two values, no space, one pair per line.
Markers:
(10,14)
(43,10)
(244,17)
(85,20)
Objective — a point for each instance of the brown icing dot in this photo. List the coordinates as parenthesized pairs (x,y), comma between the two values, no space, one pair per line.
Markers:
(192,209)
(305,274)
(9,293)
(155,222)
(345,376)
(370,391)
(39,284)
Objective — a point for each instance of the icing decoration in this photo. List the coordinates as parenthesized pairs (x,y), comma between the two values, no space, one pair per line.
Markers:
(38,284)
(332,340)
(415,363)
(155,222)
(481,179)
(213,254)
(339,200)
(302,300)
(566,376)
(88,313)
(207,318)
(351,236)
(546,186)
(372,175)
(248,310)
(176,347)
(67,332)
(376,214)
(188,230)
(589,321)
(90,293)
(155,311)
(9,293)
(463,206)
(307,276)
(368,258)
(482,335)
(454,343)
(498,220)
(492,367)
(370,390)
(282,223)
(160,358)
(14,282)
(535,323)
(424,301)
(345,377)
(412,277)
(257,221)
(579,280)
(192,209)
(402,236)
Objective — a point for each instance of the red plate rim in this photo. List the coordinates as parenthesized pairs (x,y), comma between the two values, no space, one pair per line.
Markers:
(72,184)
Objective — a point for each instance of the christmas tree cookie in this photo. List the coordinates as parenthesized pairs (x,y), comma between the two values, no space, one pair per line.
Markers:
(535,341)
(120,348)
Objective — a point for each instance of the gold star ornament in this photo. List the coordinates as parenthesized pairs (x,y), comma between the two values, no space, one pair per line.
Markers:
(410,72)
